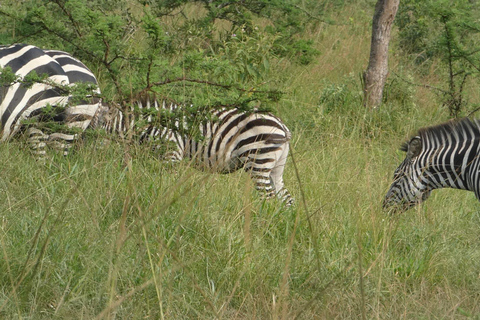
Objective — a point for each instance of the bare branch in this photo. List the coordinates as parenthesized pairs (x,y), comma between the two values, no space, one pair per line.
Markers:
(427,86)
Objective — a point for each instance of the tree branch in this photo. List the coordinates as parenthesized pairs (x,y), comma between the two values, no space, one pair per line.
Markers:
(70,17)
(427,86)
(225,86)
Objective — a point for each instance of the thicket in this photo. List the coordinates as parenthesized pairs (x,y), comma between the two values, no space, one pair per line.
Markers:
(193,52)
(223,52)
(447,32)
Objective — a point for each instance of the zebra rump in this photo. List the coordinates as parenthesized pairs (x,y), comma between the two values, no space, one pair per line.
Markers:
(256,141)
(19,102)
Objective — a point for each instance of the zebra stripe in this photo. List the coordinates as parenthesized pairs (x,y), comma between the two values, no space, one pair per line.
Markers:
(443,156)
(79,115)
(18,102)
(75,69)
(255,141)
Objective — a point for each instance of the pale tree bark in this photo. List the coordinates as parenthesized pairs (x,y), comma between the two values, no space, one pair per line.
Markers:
(376,74)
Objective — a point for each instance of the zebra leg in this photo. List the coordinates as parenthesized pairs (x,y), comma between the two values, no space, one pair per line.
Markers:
(61,142)
(36,139)
(172,157)
(260,167)
(266,170)
(262,180)
(169,144)
(276,176)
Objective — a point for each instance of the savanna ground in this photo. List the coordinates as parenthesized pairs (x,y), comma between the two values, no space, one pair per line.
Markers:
(99,235)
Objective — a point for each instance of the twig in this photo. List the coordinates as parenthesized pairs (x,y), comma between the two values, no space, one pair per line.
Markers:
(70,17)
(225,86)
(472,112)
(427,86)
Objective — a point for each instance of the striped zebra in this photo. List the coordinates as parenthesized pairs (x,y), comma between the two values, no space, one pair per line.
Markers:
(443,156)
(44,103)
(255,141)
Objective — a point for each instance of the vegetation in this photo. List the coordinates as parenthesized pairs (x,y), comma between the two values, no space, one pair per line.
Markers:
(97,235)
(447,33)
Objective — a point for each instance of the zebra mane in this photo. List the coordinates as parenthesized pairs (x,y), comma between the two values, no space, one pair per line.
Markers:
(151,99)
(443,131)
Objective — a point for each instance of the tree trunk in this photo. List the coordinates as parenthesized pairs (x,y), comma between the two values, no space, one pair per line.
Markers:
(376,74)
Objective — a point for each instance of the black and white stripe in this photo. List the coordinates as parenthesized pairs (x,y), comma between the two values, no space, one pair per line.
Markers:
(255,141)
(19,102)
(444,156)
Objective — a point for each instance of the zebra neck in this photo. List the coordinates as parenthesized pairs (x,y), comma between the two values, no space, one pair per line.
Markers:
(471,167)
(134,120)
(118,123)
(453,166)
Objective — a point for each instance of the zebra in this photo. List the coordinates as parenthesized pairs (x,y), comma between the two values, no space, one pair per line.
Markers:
(232,139)
(20,103)
(442,156)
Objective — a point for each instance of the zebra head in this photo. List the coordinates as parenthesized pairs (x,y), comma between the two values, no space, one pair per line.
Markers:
(100,117)
(107,117)
(408,187)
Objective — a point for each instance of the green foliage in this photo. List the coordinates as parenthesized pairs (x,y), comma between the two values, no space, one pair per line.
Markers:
(446,31)
(7,77)
(339,98)
(30,79)
(49,119)
(302,50)
(285,17)
(425,26)
(400,90)
(221,53)
(250,54)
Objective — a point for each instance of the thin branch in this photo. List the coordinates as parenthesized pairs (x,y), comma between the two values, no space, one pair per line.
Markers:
(225,86)
(226,4)
(67,39)
(70,17)
(472,64)
(427,86)
(472,112)
(308,14)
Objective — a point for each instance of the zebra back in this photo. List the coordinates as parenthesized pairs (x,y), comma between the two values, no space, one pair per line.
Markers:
(225,141)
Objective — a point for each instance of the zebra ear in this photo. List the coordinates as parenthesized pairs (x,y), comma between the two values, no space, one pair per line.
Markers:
(414,147)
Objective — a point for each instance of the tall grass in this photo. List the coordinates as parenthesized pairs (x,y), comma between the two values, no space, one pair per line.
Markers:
(112,233)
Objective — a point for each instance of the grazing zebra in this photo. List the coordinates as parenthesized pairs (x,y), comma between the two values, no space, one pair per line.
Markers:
(44,103)
(255,141)
(443,156)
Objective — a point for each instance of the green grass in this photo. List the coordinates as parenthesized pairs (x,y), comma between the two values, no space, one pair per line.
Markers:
(99,235)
